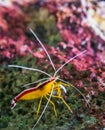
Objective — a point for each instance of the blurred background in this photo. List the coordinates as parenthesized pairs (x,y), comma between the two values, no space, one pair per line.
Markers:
(66,28)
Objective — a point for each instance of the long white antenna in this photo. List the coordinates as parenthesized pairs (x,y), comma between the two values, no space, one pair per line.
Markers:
(22,67)
(76,89)
(44,109)
(43,47)
(40,80)
(68,62)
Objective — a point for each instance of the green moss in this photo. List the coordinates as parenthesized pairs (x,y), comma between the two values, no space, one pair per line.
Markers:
(44,25)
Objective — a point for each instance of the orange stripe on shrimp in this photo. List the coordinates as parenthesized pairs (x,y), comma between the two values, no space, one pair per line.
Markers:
(32,93)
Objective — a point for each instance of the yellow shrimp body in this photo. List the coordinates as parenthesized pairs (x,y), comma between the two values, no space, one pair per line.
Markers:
(37,92)
(42,90)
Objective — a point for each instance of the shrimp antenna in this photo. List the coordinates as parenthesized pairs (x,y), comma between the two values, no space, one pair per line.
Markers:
(77,90)
(43,48)
(44,109)
(40,80)
(26,68)
(68,62)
